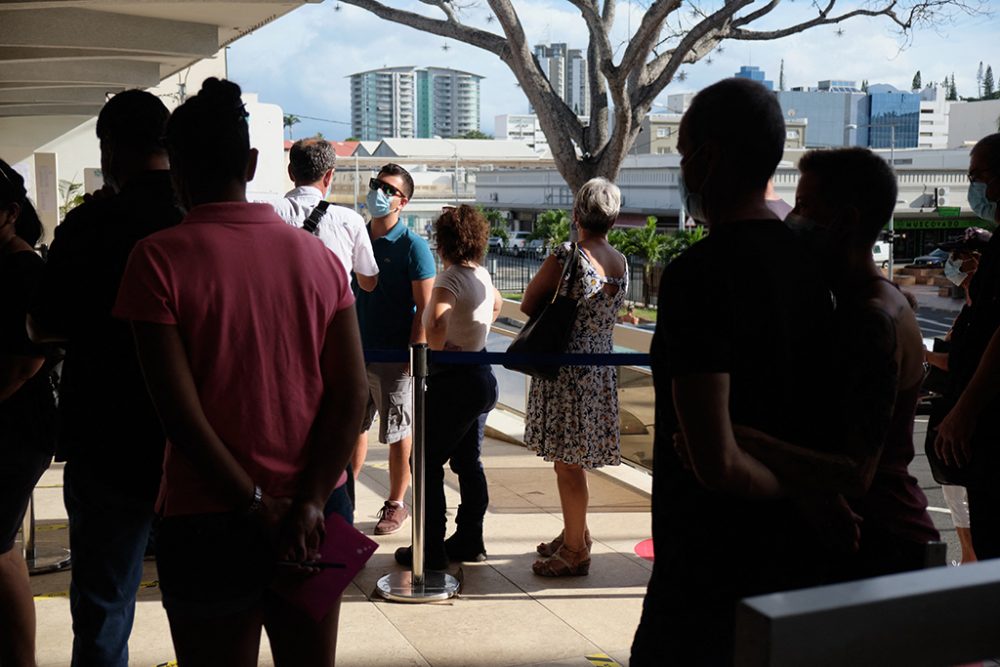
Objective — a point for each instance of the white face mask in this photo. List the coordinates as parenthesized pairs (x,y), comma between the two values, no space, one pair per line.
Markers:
(953,270)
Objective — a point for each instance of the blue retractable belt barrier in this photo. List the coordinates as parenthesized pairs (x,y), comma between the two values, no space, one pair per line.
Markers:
(499,358)
(419,585)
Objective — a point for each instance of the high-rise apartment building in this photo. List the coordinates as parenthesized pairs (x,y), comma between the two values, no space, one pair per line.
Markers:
(566,70)
(382,103)
(410,102)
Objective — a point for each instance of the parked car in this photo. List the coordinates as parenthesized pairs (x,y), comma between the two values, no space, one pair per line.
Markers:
(494,244)
(536,246)
(935,259)
(880,253)
(517,242)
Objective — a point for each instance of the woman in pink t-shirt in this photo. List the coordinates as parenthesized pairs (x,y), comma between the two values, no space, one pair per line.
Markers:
(248,338)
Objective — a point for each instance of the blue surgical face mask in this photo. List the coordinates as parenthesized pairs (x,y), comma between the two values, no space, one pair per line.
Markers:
(692,201)
(980,203)
(379,204)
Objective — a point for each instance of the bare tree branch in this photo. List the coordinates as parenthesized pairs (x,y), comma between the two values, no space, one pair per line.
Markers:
(698,42)
(445,7)
(609,14)
(645,68)
(647,34)
(560,125)
(758,14)
(482,39)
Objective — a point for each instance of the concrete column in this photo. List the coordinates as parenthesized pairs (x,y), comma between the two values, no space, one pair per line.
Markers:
(47,192)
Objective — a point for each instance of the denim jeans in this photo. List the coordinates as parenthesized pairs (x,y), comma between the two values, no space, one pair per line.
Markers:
(340,501)
(108,532)
(458,400)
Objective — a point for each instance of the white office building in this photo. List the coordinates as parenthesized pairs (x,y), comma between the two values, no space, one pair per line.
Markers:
(934,113)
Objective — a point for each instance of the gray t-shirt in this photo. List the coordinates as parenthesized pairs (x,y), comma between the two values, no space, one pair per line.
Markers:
(472,313)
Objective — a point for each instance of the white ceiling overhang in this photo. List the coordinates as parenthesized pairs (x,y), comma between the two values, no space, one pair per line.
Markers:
(61,59)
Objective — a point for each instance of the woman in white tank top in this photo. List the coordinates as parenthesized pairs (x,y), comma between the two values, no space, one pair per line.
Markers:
(462,307)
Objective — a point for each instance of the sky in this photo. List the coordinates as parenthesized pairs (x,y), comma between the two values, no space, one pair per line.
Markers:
(303,61)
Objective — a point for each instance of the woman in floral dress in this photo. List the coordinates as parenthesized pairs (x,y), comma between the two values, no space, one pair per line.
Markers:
(573,420)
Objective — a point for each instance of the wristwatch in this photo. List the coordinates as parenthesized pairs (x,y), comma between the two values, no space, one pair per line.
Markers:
(258,499)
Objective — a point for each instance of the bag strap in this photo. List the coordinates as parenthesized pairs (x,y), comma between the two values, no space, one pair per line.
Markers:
(311,224)
(569,270)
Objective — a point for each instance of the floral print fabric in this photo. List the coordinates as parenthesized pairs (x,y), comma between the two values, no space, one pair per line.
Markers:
(574,418)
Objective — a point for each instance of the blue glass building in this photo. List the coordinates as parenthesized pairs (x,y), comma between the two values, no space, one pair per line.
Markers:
(830,114)
(754,74)
(894,110)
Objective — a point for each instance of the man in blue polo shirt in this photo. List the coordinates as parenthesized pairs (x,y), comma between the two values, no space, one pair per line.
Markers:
(391,318)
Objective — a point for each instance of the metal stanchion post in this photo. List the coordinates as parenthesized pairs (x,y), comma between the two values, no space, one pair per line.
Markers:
(39,561)
(418,585)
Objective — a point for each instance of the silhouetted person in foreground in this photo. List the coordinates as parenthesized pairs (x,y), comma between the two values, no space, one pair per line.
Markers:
(843,199)
(969,435)
(741,317)
(109,433)
(27,409)
(257,374)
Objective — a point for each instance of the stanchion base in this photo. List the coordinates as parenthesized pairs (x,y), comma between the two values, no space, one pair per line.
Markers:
(48,560)
(399,587)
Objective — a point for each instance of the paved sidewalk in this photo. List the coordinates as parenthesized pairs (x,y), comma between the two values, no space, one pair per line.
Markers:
(504,615)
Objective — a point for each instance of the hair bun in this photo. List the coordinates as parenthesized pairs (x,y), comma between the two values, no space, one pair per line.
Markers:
(223,94)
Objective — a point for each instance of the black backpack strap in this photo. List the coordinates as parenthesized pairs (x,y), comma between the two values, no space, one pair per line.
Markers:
(311,224)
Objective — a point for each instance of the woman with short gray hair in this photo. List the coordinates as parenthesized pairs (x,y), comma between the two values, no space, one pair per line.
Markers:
(573,419)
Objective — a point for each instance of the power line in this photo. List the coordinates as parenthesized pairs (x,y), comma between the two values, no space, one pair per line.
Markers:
(322,120)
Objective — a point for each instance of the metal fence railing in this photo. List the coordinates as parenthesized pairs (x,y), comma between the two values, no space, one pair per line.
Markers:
(511,272)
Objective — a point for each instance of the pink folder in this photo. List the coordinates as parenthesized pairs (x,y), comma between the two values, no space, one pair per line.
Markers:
(343,544)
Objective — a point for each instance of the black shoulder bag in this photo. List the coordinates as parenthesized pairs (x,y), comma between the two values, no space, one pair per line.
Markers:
(548,332)
(311,224)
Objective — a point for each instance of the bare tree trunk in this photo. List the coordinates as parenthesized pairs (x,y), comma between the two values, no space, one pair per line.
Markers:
(672,33)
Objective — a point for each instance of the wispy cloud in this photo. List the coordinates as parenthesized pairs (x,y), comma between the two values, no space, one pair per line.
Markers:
(302,61)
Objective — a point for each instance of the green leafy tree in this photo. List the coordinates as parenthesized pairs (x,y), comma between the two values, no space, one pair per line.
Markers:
(979,79)
(475,134)
(289,120)
(552,227)
(864,86)
(72,196)
(352,139)
(952,95)
(917,84)
(989,87)
(653,247)
(499,226)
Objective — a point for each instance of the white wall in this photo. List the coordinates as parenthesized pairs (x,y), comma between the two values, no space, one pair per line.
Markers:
(971,121)
(267,135)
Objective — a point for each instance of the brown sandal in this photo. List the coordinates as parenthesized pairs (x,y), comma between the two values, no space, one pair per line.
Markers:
(564,563)
(546,549)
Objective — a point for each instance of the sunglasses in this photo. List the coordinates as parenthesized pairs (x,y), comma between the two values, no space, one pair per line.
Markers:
(977,175)
(389,190)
